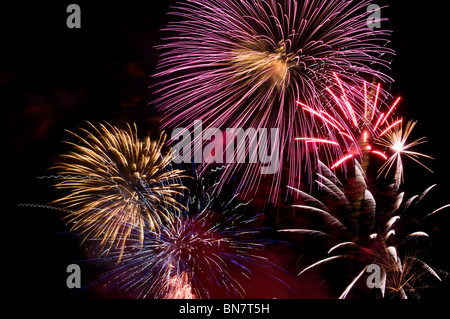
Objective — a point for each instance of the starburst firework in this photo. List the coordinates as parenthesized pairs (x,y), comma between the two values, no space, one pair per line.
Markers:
(117,183)
(396,141)
(246,66)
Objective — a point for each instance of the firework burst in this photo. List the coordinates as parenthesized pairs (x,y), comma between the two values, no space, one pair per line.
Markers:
(201,253)
(246,67)
(382,235)
(354,130)
(357,130)
(396,141)
(117,183)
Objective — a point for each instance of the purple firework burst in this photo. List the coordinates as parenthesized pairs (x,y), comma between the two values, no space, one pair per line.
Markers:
(244,64)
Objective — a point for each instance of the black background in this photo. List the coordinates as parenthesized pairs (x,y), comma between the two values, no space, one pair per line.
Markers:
(53,78)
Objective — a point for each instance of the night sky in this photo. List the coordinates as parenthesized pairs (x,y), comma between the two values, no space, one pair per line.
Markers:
(53,78)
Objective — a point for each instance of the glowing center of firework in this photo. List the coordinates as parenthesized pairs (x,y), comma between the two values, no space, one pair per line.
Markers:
(263,66)
(189,243)
(398,147)
(180,246)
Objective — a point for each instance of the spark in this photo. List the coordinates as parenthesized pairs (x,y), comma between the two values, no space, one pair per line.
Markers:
(342,160)
(382,155)
(391,126)
(375,101)
(394,105)
(315,140)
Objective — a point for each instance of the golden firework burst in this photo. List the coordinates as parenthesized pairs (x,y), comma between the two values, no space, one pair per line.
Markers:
(117,183)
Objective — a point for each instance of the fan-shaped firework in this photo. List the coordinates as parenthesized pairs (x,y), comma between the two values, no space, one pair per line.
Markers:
(351,134)
(243,64)
(117,183)
(202,253)
(367,234)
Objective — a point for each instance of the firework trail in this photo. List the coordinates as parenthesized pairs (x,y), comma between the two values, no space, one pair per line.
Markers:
(351,134)
(384,235)
(244,64)
(117,183)
(201,253)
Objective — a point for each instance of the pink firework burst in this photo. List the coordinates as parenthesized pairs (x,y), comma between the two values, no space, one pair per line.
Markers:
(352,131)
(352,134)
(244,64)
